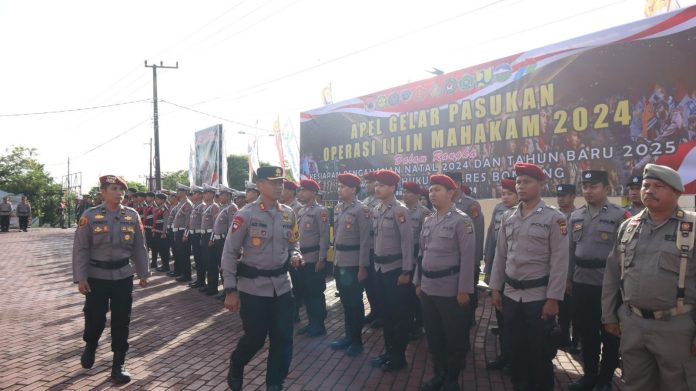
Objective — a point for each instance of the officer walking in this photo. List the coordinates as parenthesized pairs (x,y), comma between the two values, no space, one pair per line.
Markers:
(5,213)
(649,288)
(445,283)
(565,196)
(313,220)
(352,225)
(594,232)
(220,228)
(530,270)
(417,214)
(636,204)
(375,317)
(266,235)
(393,265)
(289,198)
(108,237)
(182,256)
(23,211)
(508,198)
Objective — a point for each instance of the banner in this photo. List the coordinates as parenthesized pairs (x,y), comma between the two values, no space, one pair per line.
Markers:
(210,159)
(291,151)
(614,100)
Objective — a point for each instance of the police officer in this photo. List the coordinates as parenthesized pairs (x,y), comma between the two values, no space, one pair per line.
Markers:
(182,256)
(228,210)
(393,265)
(140,205)
(23,211)
(160,244)
(417,214)
(265,234)
(508,198)
(131,196)
(528,280)
(352,225)
(594,228)
(169,215)
(313,220)
(108,237)
(5,213)
(148,211)
(289,197)
(208,215)
(633,185)
(649,288)
(193,236)
(565,196)
(445,282)
(374,318)
(252,192)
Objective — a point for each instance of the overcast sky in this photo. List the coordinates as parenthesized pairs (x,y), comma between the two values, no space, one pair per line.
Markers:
(246,61)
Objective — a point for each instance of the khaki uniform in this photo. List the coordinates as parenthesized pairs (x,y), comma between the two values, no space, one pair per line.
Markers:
(182,259)
(295,205)
(376,302)
(633,210)
(530,266)
(314,244)
(208,216)
(656,339)
(223,220)
(492,237)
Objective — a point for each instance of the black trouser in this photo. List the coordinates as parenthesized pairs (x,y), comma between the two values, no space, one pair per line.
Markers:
(195,240)
(206,252)
(397,322)
(351,291)
(148,237)
(5,223)
(414,305)
(161,248)
(182,261)
(371,289)
(313,292)
(589,322)
(105,295)
(213,267)
(297,291)
(262,316)
(447,331)
(23,222)
(171,242)
(501,332)
(530,350)
(566,315)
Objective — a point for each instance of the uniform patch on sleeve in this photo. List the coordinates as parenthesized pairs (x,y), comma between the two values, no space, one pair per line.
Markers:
(237,223)
(324,216)
(474,211)
(367,213)
(563,226)
(401,217)
(83,221)
(627,214)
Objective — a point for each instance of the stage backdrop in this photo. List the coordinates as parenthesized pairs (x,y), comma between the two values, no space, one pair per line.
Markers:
(210,161)
(613,100)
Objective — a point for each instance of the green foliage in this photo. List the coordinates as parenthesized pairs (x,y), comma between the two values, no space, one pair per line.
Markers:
(238,170)
(169,179)
(137,185)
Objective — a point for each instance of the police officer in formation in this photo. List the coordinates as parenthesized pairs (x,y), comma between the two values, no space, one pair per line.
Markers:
(636,204)
(182,254)
(352,225)
(565,196)
(252,193)
(160,243)
(23,211)
(313,220)
(528,280)
(290,195)
(649,288)
(148,209)
(223,220)
(393,259)
(445,284)
(209,212)
(193,236)
(5,213)
(108,237)
(594,228)
(508,198)
(265,235)
(417,214)
(374,318)
(169,215)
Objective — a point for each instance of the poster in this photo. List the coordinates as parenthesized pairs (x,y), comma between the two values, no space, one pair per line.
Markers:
(210,158)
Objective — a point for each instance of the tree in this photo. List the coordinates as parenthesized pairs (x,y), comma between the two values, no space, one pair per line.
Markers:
(21,173)
(238,170)
(137,185)
(170,179)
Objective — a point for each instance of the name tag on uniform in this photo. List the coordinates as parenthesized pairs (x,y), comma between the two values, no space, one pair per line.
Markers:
(101,229)
(671,238)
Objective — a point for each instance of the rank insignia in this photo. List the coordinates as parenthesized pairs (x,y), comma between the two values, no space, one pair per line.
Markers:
(98,217)
(563,227)
(83,221)
(402,218)
(98,229)
(577,227)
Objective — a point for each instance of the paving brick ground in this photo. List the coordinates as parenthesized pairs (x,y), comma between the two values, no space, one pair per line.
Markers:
(181,339)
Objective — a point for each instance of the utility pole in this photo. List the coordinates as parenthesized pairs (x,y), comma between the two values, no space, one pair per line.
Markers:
(158,176)
(150,185)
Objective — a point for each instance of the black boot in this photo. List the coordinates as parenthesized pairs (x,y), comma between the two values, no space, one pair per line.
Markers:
(87,359)
(235,376)
(119,373)
(436,382)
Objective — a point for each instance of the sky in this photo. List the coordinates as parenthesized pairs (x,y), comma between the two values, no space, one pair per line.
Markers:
(245,62)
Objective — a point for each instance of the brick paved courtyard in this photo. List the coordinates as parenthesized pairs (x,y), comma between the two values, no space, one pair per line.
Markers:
(181,339)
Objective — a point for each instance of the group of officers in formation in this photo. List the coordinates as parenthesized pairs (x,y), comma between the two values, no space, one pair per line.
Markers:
(624,278)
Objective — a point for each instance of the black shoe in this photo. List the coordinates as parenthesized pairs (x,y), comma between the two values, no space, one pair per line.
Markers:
(416,334)
(274,387)
(377,362)
(87,358)
(235,376)
(393,365)
(435,383)
(369,318)
(498,363)
(173,274)
(203,288)
(451,386)
(602,387)
(354,350)
(196,284)
(340,344)
(376,324)
(211,293)
(303,330)
(314,332)
(183,279)
(585,383)
(495,330)
(162,269)
(119,373)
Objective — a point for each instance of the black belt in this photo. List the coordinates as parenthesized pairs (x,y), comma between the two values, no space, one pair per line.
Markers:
(310,249)
(591,263)
(347,247)
(527,284)
(441,273)
(109,264)
(246,271)
(387,258)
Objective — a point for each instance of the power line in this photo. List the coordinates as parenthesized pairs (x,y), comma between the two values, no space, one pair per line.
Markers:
(216,116)
(72,110)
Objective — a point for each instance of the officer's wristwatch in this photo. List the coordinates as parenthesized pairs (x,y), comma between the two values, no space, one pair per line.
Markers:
(230,290)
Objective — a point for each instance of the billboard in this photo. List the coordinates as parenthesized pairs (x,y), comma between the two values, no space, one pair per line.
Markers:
(210,163)
(613,100)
